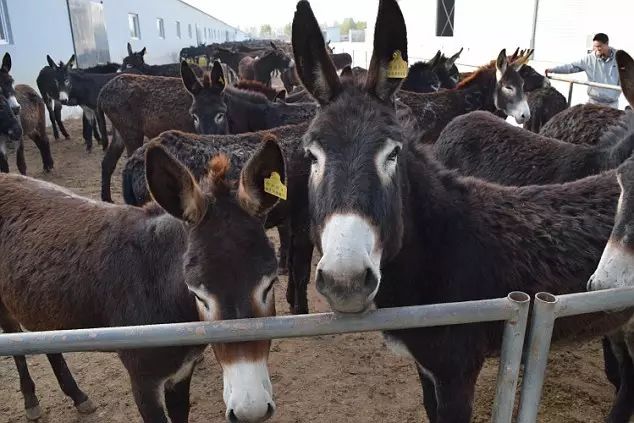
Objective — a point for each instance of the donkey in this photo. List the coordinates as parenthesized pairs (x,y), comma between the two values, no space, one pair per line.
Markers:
(142,105)
(33,122)
(48,85)
(135,105)
(10,132)
(494,87)
(260,68)
(271,93)
(391,223)
(582,124)
(482,145)
(544,101)
(185,255)
(422,77)
(135,62)
(288,216)
(6,84)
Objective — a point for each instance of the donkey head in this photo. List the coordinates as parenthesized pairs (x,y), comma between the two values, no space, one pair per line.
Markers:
(509,95)
(354,145)
(422,76)
(208,109)
(447,70)
(616,267)
(9,122)
(223,229)
(6,84)
(61,77)
(134,60)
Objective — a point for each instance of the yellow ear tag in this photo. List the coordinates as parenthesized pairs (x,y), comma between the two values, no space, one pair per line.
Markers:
(275,186)
(202,61)
(221,80)
(397,67)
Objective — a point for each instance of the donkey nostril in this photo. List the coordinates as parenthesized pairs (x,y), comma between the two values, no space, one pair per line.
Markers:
(270,411)
(370,281)
(231,417)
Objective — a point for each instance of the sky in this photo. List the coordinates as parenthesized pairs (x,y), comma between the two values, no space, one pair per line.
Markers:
(277,13)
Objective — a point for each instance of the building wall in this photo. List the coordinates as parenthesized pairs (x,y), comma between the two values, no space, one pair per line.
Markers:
(34,36)
(160,51)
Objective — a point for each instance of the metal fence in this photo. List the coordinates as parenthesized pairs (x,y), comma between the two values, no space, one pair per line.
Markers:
(546,309)
(572,82)
(513,310)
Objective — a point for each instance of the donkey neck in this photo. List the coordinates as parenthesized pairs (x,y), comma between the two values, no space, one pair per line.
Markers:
(479,89)
(623,145)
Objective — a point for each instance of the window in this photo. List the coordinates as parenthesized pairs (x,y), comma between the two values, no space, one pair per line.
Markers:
(178,29)
(444,17)
(133,24)
(160,25)
(5,28)
(189,28)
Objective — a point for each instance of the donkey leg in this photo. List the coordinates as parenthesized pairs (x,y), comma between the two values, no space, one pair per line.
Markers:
(177,400)
(611,364)
(27,386)
(51,115)
(429,395)
(42,144)
(66,381)
(4,164)
(87,132)
(19,156)
(623,405)
(108,165)
(149,396)
(283,231)
(58,118)
(299,258)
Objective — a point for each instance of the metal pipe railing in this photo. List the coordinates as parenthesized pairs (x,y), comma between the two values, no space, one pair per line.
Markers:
(513,309)
(546,309)
(572,82)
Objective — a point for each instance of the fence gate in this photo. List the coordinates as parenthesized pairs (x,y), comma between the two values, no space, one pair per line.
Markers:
(88,28)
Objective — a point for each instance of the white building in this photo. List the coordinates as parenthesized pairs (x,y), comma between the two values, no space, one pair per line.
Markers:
(98,31)
(559,30)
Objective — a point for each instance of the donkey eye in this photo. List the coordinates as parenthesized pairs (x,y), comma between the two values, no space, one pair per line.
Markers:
(394,154)
(220,117)
(508,87)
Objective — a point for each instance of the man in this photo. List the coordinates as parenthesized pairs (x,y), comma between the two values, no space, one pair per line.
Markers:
(600,66)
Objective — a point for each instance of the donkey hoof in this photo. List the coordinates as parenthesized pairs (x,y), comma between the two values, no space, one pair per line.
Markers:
(34,413)
(86,407)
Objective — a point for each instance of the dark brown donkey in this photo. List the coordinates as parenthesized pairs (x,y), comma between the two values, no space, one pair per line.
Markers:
(33,120)
(141,106)
(288,216)
(135,62)
(10,132)
(582,124)
(482,145)
(180,262)
(494,87)
(392,224)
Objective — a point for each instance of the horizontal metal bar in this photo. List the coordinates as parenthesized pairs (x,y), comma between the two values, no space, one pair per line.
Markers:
(591,302)
(239,330)
(588,83)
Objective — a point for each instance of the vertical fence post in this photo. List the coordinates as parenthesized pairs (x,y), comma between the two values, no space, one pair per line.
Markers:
(541,331)
(570,87)
(510,359)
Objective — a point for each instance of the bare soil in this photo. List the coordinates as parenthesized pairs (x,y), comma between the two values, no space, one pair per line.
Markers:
(351,378)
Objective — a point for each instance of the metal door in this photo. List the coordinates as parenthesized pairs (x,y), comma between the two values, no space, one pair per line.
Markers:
(88,26)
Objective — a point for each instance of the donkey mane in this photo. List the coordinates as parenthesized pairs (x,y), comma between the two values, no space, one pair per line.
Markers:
(247,95)
(616,133)
(481,72)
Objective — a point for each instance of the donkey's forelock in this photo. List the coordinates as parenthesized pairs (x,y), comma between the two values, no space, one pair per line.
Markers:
(216,181)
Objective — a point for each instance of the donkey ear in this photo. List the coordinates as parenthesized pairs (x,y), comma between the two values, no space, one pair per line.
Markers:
(514,55)
(142,52)
(625,63)
(216,77)
(51,62)
(436,59)
(251,193)
(70,62)
(129,49)
(172,185)
(281,96)
(6,62)
(346,74)
(450,62)
(501,64)
(313,64)
(273,45)
(388,66)
(190,81)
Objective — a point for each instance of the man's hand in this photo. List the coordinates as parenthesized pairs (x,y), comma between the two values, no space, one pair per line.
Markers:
(547,71)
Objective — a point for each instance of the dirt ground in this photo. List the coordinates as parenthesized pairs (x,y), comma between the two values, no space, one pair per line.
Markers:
(351,378)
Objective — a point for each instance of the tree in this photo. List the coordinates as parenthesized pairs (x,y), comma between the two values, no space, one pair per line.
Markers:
(362,25)
(288,29)
(347,25)
(266,31)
